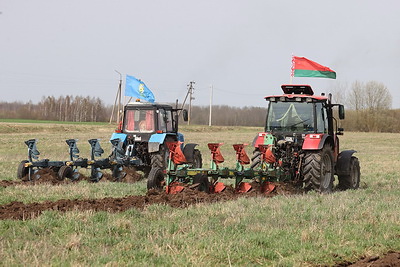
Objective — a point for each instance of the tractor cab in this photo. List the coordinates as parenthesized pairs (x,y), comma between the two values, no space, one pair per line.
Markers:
(147,119)
(146,128)
(298,110)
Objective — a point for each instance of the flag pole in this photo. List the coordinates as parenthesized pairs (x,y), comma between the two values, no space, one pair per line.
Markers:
(118,96)
(292,71)
(211,96)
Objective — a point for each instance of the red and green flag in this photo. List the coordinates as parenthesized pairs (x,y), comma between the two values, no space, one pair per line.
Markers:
(303,67)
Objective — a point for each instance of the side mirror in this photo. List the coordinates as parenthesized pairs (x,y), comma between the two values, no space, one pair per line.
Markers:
(341,112)
(185,114)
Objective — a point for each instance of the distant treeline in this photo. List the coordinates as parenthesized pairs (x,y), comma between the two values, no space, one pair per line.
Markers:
(68,108)
(229,116)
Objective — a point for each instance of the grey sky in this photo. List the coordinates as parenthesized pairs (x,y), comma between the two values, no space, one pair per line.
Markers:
(243,48)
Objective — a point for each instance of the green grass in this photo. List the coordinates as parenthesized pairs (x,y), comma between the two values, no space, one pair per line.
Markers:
(297,230)
(50,122)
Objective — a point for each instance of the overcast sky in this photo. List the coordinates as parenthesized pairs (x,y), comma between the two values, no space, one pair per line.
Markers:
(243,48)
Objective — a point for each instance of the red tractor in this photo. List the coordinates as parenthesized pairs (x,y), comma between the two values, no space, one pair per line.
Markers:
(301,143)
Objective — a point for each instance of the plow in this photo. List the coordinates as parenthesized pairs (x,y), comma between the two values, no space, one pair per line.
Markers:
(179,174)
(115,162)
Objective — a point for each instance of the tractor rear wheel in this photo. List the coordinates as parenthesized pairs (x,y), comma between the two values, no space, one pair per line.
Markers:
(64,172)
(255,159)
(202,180)
(22,170)
(155,178)
(351,181)
(318,170)
(197,159)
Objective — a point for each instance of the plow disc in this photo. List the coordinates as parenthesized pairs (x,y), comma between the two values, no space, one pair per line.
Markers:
(267,187)
(218,187)
(174,188)
(243,187)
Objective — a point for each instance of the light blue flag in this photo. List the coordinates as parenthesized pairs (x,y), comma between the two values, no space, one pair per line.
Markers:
(137,88)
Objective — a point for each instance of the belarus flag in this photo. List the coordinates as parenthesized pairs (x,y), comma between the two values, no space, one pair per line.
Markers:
(303,67)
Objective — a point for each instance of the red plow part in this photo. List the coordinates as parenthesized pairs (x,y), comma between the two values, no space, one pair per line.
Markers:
(267,187)
(174,188)
(241,155)
(175,152)
(243,187)
(218,187)
(267,154)
(216,154)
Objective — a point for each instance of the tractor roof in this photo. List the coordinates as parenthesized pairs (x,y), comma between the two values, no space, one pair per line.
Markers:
(297,90)
(146,105)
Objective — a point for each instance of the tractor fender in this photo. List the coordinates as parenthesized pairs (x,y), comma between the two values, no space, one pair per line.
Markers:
(158,139)
(263,139)
(188,151)
(315,141)
(343,162)
(155,141)
(120,136)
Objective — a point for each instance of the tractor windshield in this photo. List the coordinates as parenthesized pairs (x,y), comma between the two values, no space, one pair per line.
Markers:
(139,121)
(295,117)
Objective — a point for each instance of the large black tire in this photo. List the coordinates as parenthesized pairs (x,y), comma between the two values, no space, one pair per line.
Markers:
(197,159)
(202,180)
(351,181)
(146,171)
(64,172)
(318,170)
(22,171)
(155,178)
(255,159)
(160,159)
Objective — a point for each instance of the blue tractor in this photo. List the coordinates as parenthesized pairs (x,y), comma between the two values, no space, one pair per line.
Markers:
(144,132)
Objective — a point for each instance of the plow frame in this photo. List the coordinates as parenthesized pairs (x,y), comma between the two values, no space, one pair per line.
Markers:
(179,173)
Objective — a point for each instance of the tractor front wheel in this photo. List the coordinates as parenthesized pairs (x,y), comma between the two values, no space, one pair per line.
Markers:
(155,179)
(318,170)
(351,181)
(160,159)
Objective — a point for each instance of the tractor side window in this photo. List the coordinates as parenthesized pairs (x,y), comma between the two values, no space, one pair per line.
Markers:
(165,120)
(322,121)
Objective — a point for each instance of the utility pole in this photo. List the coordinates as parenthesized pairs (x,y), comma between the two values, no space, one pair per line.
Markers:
(117,98)
(190,91)
(211,98)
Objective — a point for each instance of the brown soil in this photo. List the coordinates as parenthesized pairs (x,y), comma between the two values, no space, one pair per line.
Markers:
(131,176)
(20,211)
(391,259)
